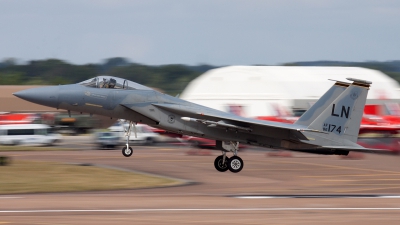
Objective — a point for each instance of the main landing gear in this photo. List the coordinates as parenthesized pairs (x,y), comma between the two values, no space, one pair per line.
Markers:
(127,151)
(223,163)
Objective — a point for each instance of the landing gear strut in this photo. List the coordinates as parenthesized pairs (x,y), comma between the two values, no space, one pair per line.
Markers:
(127,151)
(234,164)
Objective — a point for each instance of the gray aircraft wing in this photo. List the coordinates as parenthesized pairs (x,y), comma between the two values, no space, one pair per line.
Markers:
(240,124)
(139,112)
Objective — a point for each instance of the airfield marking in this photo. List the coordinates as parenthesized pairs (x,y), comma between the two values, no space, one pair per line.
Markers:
(360,180)
(250,190)
(366,189)
(325,185)
(349,175)
(277,169)
(10,197)
(342,167)
(196,209)
(314,196)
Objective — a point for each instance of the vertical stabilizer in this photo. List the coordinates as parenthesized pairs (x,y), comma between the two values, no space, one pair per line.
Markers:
(311,114)
(342,117)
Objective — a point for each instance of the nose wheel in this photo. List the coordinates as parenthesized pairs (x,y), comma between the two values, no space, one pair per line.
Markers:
(127,151)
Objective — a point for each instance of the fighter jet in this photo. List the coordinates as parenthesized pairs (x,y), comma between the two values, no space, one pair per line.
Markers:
(329,127)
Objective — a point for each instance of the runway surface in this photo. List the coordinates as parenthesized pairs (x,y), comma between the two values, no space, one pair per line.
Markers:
(304,189)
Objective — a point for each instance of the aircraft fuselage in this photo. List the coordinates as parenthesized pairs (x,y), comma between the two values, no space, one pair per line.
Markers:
(109,102)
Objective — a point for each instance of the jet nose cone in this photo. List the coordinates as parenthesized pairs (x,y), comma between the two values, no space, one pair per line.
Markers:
(47,96)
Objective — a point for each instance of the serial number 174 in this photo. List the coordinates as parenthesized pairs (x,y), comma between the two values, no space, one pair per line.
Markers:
(331,128)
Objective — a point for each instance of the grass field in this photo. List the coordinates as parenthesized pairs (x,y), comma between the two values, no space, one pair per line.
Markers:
(34,177)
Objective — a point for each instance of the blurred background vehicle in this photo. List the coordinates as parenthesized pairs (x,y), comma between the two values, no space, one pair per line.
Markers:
(36,134)
(107,139)
(74,124)
(62,122)
(144,134)
(380,137)
(18,118)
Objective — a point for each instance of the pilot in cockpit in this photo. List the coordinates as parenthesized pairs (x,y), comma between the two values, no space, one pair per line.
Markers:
(112,83)
(108,83)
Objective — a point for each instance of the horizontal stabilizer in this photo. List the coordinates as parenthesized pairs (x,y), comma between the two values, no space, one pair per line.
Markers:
(354,149)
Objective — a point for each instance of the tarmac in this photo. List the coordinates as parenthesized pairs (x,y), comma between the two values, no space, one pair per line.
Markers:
(303,189)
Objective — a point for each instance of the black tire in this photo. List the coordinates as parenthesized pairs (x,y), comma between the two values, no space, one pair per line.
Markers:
(127,152)
(218,163)
(235,164)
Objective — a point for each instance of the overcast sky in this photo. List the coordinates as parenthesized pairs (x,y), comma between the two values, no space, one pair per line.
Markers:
(217,32)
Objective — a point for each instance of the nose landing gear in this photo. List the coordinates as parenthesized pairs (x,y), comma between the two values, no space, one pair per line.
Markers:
(234,164)
(127,151)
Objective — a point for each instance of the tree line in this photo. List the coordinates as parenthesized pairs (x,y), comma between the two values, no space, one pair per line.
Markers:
(171,79)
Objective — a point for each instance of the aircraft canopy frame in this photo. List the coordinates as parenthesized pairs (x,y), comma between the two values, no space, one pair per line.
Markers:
(113,83)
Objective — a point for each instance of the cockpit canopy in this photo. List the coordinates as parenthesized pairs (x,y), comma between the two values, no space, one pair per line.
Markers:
(113,82)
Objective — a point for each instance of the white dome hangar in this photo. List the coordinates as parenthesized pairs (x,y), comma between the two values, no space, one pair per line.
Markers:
(264,90)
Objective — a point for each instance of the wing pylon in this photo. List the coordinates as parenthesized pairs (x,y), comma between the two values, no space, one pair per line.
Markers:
(217,124)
